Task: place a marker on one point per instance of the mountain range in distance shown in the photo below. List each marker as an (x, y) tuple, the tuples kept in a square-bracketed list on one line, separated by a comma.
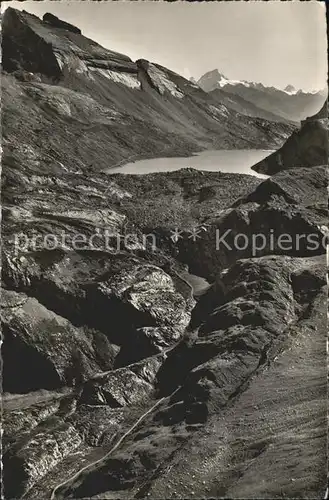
[(255, 99)]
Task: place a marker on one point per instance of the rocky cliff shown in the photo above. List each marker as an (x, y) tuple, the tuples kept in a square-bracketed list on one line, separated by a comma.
[(118, 382), (306, 147)]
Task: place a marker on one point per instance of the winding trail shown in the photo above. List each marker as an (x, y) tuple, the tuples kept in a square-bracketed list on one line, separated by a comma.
[(115, 447), (120, 441), (127, 433)]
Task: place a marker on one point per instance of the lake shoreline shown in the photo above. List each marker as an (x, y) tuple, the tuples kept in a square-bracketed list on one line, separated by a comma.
[(238, 161)]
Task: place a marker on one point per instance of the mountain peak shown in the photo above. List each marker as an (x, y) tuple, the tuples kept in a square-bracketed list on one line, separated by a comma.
[(213, 79), (214, 74), (290, 89)]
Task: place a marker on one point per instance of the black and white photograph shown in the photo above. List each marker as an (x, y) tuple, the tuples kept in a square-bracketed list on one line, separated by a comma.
[(164, 238)]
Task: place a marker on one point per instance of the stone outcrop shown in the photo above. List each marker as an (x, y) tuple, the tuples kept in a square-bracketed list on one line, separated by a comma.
[(286, 214), (128, 347), (58, 23), (117, 295), (307, 147), (43, 350)]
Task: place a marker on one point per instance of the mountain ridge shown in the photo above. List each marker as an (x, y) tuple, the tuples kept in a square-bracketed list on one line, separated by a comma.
[(288, 104), (209, 80)]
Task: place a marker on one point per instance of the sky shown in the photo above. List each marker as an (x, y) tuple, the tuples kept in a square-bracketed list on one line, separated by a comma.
[(274, 43)]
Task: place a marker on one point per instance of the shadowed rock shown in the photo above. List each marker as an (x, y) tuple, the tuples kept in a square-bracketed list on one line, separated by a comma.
[(307, 147)]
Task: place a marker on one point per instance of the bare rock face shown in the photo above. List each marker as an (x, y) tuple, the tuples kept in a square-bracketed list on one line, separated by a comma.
[(134, 286), (254, 312), (43, 350), (38, 455), (55, 39), (124, 386), (307, 147), (267, 421)]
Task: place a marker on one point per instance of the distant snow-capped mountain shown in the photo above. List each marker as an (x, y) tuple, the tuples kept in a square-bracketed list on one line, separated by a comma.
[(214, 79), (255, 99), (290, 89)]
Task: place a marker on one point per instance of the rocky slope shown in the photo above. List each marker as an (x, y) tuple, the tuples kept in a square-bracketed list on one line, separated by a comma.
[(247, 392), (117, 382), (255, 99), (73, 91), (244, 106), (306, 147)]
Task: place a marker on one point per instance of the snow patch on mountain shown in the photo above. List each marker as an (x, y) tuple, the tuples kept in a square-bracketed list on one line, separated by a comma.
[(290, 89), (127, 79), (226, 81), (215, 80)]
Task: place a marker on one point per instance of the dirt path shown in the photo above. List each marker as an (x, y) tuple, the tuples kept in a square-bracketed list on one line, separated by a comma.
[(115, 447)]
